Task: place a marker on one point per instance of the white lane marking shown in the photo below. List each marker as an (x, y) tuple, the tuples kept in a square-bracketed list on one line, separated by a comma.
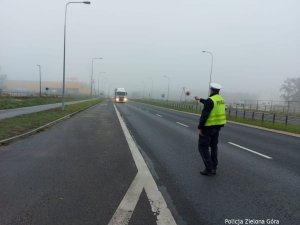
[(249, 150), (182, 124), (144, 179), (127, 205), (159, 115)]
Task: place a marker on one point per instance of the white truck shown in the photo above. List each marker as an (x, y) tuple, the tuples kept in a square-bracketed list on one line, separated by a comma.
[(120, 95)]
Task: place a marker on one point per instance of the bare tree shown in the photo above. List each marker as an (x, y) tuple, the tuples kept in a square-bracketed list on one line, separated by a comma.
[(291, 89)]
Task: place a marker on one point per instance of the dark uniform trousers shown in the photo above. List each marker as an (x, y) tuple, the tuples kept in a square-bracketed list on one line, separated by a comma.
[(209, 139)]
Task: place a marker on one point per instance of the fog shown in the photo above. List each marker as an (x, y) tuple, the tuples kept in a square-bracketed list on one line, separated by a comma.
[(255, 44)]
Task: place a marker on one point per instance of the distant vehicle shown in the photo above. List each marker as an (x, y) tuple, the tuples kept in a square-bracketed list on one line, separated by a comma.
[(120, 95)]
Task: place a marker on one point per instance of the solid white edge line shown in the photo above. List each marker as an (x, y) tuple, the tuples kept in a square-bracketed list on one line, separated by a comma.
[(156, 200), (182, 124), (158, 115), (128, 203), (249, 150)]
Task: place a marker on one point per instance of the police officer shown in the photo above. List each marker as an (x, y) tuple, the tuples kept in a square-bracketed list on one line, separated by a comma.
[(213, 117)]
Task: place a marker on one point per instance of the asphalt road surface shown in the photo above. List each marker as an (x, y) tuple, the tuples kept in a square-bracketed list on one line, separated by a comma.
[(83, 171), (257, 177), (74, 173)]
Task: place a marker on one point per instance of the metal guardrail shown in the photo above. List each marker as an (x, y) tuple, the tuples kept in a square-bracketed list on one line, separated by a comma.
[(285, 119), (292, 107)]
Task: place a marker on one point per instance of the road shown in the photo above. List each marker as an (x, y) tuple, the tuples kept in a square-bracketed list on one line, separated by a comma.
[(85, 171), (8, 113), (262, 184), (76, 172)]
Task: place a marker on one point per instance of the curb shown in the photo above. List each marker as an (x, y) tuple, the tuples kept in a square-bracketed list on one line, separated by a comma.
[(237, 123), (8, 140)]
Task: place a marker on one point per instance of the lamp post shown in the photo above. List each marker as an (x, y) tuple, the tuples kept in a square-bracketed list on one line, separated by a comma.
[(102, 87), (165, 76), (108, 89), (151, 95), (144, 92), (64, 57), (93, 74), (99, 82), (40, 73), (211, 66), (182, 93)]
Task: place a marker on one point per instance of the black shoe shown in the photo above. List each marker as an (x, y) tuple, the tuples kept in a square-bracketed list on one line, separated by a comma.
[(206, 172), (214, 171)]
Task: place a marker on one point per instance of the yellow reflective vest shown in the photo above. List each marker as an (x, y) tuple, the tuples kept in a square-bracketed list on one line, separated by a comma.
[(218, 115)]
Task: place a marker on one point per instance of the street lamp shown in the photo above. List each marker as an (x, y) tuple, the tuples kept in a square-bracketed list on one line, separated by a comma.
[(151, 96), (93, 74), (182, 93), (165, 76), (64, 58), (211, 66), (108, 89), (102, 88), (98, 82), (40, 72), (144, 92)]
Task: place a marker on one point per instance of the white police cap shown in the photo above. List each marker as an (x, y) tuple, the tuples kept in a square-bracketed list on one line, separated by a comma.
[(215, 86)]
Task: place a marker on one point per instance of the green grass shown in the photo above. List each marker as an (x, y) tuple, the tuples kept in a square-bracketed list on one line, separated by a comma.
[(21, 124), (266, 124), (10, 103)]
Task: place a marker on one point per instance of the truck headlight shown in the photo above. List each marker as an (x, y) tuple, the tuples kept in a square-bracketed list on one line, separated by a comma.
[(117, 99)]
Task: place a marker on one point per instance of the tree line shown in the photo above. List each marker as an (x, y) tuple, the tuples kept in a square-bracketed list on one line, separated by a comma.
[(291, 89)]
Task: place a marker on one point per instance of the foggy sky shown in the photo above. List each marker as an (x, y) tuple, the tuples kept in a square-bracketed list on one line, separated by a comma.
[(256, 43)]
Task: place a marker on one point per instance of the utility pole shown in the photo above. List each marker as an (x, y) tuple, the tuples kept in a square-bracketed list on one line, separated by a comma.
[(40, 72)]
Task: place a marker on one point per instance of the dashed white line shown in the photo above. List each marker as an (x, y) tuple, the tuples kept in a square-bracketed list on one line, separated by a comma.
[(249, 150), (159, 115), (182, 124)]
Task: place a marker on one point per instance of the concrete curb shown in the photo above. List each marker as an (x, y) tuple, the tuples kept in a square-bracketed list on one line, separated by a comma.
[(11, 139), (237, 123)]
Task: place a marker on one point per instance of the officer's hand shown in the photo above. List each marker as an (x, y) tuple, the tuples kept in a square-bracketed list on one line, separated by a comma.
[(197, 98), (200, 132)]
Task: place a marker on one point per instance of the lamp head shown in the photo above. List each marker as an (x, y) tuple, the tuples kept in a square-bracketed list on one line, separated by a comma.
[(87, 2)]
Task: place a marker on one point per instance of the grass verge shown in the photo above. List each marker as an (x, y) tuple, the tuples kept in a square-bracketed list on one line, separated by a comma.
[(266, 124), (21, 124), (11, 103)]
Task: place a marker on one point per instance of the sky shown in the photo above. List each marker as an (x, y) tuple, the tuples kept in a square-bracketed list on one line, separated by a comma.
[(255, 44)]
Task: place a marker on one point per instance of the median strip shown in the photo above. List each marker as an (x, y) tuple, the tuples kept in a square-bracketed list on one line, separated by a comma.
[(249, 150), (20, 126)]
